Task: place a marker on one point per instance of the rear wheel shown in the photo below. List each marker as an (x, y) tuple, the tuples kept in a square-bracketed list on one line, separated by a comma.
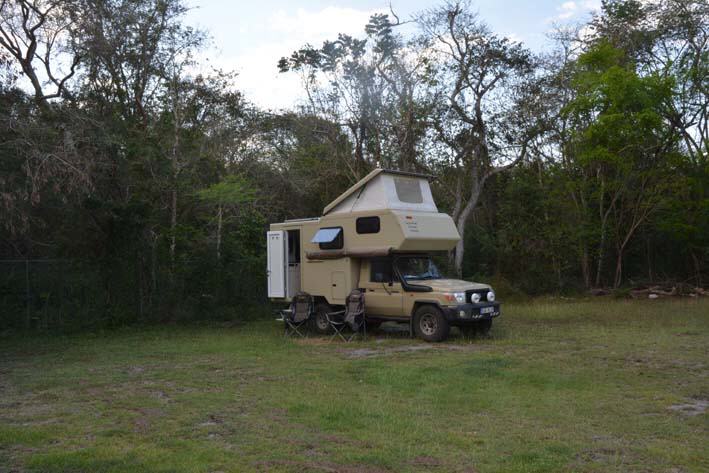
[(430, 325), (319, 323)]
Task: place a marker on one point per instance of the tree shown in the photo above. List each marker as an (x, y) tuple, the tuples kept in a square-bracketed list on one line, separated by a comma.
[(227, 195), (374, 88), (481, 123), (624, 144), (38, 34)]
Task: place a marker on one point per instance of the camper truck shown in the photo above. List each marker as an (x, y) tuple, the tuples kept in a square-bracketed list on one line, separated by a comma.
[(377, 237)]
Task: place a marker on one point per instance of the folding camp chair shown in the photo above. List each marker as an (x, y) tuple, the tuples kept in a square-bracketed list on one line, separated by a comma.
[(297, 315), (352, 317)]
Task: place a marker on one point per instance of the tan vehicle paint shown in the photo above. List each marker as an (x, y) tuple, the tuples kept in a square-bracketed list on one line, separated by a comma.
[(408, 224)]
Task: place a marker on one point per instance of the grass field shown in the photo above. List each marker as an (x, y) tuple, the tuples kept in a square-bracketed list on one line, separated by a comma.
[(589, 386)]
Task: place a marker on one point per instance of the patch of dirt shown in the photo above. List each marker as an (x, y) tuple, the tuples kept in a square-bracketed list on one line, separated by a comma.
[(693, 408), (162, 396), (373, 352), (141, 424), (596, 455), (370, 352), (429, 462), (135, 369), (212, 421), (313, 341), (313, 466), (338, 440)]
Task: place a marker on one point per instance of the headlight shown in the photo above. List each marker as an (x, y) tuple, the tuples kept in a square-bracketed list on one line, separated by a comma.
[(458, 297), (490, 296), (475, 298)]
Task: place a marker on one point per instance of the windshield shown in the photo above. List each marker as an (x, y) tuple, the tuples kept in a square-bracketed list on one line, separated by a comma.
[(417, 268)]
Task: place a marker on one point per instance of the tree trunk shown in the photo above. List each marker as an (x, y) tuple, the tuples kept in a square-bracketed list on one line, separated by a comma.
[(460, 225), (618, 270), (219, 233), (139, 264), (458, 255), (697, 269), (175, 171), (599, 263), (359, 147), (585, 268), (153, 267), (601, 244), (648, 254), (173, 225)]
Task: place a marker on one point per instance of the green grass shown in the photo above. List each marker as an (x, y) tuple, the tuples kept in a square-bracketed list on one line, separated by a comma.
[(559, 386)]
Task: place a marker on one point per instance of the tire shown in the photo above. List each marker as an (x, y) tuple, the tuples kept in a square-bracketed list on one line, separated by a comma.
[(430, 325), (319, 323)]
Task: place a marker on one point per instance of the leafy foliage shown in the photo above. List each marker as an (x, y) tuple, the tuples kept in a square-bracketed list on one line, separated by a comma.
[(150, 186)]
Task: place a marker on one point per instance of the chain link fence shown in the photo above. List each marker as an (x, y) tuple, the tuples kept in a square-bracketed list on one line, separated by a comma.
[(43, 294)]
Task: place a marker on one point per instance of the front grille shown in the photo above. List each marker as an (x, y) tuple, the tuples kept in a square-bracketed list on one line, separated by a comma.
[(469, 294)]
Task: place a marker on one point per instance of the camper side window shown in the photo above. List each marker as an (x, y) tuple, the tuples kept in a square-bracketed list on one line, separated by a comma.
[(408, 190), (368, 225), (380, 270), (336, 243)]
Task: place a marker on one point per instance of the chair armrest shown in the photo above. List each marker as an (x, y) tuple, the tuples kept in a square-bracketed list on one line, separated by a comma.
[(337, 315)]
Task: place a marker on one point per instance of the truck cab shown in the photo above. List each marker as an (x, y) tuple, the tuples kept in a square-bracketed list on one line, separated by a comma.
[(410, 288)]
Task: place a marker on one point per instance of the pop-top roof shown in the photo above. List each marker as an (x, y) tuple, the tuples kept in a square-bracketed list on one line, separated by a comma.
[(386, 189)]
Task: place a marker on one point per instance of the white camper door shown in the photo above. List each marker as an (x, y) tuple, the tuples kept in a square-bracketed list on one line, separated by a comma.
[(276, 263)]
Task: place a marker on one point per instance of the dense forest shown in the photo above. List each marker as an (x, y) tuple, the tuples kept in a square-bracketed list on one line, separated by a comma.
[(136, 183)]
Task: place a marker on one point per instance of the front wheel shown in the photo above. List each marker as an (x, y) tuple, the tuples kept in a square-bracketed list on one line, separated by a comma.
[(430, 325)]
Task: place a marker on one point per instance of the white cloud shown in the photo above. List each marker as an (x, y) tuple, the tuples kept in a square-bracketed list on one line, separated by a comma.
[(593, 6), (321, 24), (514, 37), (285, 32), (572, 9)]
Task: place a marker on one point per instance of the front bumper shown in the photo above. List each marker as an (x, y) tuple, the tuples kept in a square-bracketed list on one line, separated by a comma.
[(471, 313)]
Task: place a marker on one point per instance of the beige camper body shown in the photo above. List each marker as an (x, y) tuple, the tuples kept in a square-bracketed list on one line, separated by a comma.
[(403, 227), (333, 273), (387, 213)]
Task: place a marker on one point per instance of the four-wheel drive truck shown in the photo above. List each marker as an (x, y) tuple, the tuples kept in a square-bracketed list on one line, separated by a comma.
[(378, 237)]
